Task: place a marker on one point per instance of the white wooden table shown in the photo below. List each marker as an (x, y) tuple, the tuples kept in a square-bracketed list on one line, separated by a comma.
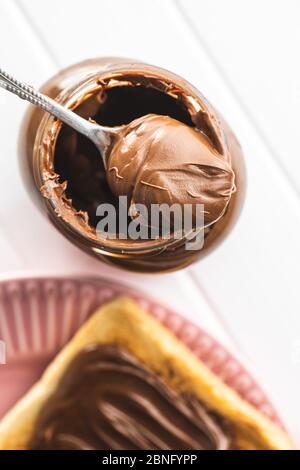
[(244, 56)]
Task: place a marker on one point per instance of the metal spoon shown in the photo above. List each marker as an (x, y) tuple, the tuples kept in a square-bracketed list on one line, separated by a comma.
[(101, 136)]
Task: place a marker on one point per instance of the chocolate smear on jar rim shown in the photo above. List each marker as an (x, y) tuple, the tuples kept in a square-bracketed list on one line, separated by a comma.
[(74, 179)]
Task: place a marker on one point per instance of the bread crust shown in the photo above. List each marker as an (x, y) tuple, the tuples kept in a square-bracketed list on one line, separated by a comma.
[(122, 322)]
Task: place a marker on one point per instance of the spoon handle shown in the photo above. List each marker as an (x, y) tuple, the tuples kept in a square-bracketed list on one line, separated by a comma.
[(28, 93)]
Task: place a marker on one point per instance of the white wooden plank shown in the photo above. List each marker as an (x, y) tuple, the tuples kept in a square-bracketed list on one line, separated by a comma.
[(8, 257), (35, 247), (256, 46), (14, 200), (22, 229), (252, 278)]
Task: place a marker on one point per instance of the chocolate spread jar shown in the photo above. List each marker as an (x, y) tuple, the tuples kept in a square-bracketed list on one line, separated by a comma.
[(64, 173)]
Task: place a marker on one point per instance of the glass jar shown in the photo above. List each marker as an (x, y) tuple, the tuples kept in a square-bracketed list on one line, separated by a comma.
[(43, 138)]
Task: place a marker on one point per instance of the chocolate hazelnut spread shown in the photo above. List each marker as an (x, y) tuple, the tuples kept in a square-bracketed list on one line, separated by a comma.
[(108, 400), (66, 168), (77, 161), (159, 160)]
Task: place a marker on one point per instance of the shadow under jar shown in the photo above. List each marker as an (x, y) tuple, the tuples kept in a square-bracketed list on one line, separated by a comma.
[(64, 173)]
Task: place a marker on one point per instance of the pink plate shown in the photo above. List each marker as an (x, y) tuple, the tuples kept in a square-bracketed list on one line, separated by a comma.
[(39, 316)]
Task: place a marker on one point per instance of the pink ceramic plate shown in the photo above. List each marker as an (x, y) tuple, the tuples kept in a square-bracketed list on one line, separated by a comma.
[(38, 317)]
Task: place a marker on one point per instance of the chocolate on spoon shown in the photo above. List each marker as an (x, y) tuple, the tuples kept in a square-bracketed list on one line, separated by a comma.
[(159, 160), (152, 160)]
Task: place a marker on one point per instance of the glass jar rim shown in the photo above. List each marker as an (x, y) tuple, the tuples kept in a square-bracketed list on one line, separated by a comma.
[(75, 95)]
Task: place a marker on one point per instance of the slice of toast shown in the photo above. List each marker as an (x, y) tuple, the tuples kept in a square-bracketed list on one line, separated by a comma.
[(124, 324)]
